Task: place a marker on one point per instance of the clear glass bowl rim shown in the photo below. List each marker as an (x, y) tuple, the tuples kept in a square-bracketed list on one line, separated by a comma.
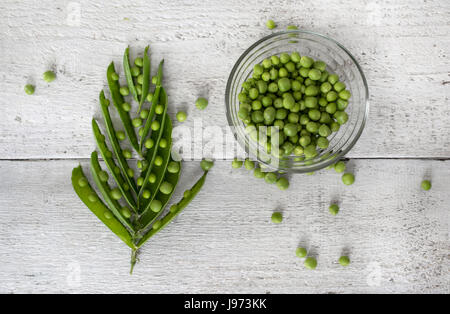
[(363, 77)]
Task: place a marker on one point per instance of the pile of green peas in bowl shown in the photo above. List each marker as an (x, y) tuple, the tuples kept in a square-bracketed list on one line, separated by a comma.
[(298, 101)]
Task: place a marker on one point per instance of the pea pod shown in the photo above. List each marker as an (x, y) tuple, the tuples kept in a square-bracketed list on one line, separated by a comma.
[(114, 142), (128, 76), (86, 193), (146, 78), (105, 189), (177, 209), (109, 161), (155, 102), (148, 217), (164, 129), (118, 101)]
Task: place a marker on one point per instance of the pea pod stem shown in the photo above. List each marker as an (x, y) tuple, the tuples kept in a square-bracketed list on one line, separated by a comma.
[(99, 209), (99, 137), (146, 78), (114, 142), (118, 101), (128, 76), (155, 102), (179, 207)]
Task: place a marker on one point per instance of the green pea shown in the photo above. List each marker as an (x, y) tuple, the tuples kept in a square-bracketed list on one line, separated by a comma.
[(258, 173), (155, 125), (284, 84), (149, 143), (314, 74), (312, 127), (341, 104), (311, 102), (306, 62), (83, 182), (149, 97), (270, 177), (124, 91), (277, 217), (163, 143), (257, 116), (331, 96), (348, 178), (344, 261), (116, 194), (206, 165), (258, 69), (310, 151), (301, 252), (341, 117), (157, 225), (135, 71), (146, 194), (283, 73), (201, 103), (108, 215), (290, 66), (282, 183), (339, 86), (103, 176), (144, 114), (120, 135), (285, 58), (322, 142), (333, 79), (295, 57), (152, 178), (154, 80), (29, 89), (138, 62), (173, 167), (290, 129), (314, 114), (275, 60), (426, 185), (345, 94), (339, 167), (334, 209), (155, 206), (320, 65), (126, 106), (125, 212), (49, 76), (291, 27), (130, 172), (298, 151), (166, 187), (140, 181), (137, 122), (311, 263), (236, 164), (305, 141), (267, 63), (158, 161), (249, 165), (335, 126), (115, 76)]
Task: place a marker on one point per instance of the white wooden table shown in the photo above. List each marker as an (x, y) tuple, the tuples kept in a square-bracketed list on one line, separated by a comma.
[(396, 234)]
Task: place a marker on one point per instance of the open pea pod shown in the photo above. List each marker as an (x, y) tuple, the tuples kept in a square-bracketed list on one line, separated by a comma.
[(105, 189), (174, 211), (164, 131), (149, 216), (115, 143), (109, 161), (158, 170), (155, 101), (90, 198), (118, 101), (146, 78), (128, 76)]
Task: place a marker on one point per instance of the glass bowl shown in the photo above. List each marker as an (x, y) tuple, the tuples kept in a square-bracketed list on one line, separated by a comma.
[(338, 60)]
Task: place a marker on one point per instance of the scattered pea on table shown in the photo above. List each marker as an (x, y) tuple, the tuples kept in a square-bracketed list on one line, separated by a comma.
[(334, 209), (301, 252), (344, 261), (181, 116), (426, 185), (277, 217), (49, 76), (29, 89), (271, 24), (348, 178), (311, 263), (201, 103)]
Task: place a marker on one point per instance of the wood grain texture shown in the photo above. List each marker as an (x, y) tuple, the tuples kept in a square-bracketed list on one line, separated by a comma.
[(403, 47), (396, 234)]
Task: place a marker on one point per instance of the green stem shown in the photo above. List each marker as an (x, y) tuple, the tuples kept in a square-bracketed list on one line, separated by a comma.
[(133, 261)]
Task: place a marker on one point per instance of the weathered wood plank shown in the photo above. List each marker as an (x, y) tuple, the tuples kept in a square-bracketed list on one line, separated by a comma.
[(403, 47), (397, 235)]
